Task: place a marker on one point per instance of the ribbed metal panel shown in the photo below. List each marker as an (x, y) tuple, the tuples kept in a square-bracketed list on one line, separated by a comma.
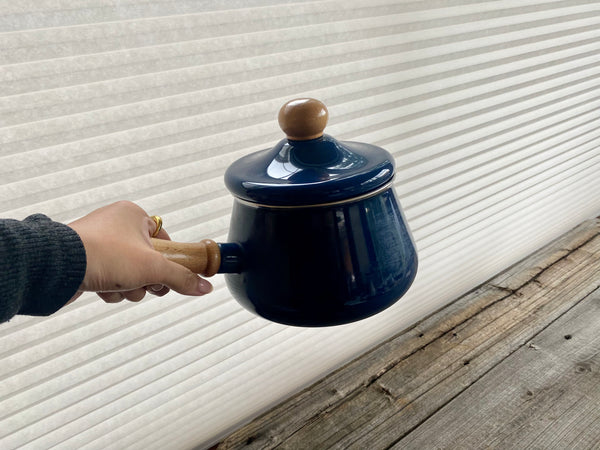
[(491, 109)]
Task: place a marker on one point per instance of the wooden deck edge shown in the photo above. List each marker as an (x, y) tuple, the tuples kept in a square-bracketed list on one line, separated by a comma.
[(517, 289)]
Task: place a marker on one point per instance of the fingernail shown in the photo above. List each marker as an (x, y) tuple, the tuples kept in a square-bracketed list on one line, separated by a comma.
[(156, 287), (204, 287)]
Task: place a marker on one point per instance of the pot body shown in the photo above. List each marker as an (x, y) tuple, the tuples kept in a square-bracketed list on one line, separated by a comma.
[(322, 265)]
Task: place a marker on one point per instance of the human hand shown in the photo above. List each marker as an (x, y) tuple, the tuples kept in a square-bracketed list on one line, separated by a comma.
[(121, 262)]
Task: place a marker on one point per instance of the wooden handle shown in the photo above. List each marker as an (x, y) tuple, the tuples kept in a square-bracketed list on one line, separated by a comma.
[(302, 119), (200, 257)]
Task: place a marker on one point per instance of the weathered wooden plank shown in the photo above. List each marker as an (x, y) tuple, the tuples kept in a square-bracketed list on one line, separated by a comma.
[(546, 395), (418, 386), (530, 267), (361, 385)]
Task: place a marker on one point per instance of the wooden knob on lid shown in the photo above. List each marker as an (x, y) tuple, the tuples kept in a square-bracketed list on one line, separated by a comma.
[(302, 119)]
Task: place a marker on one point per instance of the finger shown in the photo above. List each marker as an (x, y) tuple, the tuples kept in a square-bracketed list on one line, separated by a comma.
[(111, 297), (183, 280), (135, 295), (162, 234), (157, 289)]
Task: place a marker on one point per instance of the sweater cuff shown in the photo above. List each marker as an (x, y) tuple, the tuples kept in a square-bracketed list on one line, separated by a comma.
[(57, 265)]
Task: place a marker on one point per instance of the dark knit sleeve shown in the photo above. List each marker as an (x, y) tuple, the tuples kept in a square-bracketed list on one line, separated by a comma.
[(42, 264)]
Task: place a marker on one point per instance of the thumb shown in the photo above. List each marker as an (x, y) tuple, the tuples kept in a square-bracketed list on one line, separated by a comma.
[(183, 280)]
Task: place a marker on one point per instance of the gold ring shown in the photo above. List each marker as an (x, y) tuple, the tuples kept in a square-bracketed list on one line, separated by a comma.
[(158, 221)]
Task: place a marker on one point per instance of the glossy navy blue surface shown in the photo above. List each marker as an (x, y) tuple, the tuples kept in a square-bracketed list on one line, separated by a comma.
[(307, 172), (321, 266)]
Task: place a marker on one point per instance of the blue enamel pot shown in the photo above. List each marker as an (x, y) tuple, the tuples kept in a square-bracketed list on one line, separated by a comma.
[(317, 235)]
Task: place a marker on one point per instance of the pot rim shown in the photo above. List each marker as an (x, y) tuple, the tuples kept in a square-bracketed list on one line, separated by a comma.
[(374, 192)]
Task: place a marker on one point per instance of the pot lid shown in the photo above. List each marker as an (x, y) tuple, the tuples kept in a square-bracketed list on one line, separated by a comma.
[(308, 167)]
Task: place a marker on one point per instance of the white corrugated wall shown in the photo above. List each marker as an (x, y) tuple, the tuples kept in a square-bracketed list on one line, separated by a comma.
[(491, 109)]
